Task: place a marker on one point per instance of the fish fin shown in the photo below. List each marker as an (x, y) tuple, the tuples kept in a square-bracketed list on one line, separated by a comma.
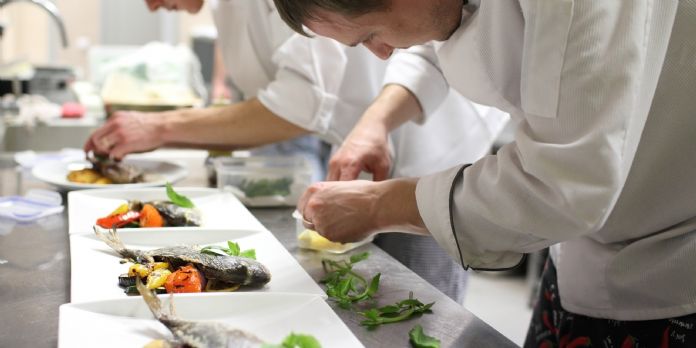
[(151, 299)]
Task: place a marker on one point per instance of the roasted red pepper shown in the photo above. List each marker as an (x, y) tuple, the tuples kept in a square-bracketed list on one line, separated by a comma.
[(118, 220), (579, 342)]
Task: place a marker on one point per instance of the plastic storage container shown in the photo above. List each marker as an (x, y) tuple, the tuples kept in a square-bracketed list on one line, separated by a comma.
[(264, 181), (309, 239)]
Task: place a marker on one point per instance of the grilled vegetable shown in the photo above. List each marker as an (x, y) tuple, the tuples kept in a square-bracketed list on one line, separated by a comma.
[(157, 278), (125, 280), (186, 279), (137, 269), (119, 220), (150, 217)]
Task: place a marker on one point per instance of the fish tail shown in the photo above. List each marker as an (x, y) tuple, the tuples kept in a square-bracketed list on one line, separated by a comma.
[(114, 242), (151, 299)]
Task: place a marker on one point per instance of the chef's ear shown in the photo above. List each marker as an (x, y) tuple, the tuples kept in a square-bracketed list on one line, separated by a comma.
[(154, 5)]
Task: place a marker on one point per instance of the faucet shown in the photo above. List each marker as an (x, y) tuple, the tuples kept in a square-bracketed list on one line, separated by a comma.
[(52, 10)]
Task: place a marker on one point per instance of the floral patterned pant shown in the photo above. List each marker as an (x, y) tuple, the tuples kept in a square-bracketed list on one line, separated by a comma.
[(553, 327)]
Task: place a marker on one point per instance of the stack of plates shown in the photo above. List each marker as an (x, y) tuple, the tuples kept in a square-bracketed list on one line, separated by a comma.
[(100, 314)]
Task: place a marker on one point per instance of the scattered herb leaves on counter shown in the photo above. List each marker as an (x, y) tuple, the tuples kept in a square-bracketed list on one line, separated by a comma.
[(232, 249), (178, 199), (345, 286), (419, 339), (296, 341), (266, 187), (399, 311)]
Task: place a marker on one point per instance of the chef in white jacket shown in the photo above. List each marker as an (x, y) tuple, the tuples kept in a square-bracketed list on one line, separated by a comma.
[(601, 168), (321, 87)]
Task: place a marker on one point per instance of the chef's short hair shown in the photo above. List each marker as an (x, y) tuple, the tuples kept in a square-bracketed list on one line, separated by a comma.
[(296, 12)]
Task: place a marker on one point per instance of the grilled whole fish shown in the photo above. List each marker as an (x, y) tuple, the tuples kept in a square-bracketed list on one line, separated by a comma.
[(224, 268), (117, 172), (196, 334)]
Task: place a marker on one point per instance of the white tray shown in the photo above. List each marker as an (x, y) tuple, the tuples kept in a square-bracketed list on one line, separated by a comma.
[(128, 322), (218, 209), (157, 173), (95, 267)]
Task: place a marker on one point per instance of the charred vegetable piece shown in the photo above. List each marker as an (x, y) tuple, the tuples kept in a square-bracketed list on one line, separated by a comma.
[(157, 278), (175, 215), (137, 269), (124, 280), (186, 279), (119, 220), (150, 217), (122, 209)]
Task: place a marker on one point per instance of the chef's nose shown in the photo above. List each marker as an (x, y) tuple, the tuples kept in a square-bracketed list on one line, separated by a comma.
[(381, 50)]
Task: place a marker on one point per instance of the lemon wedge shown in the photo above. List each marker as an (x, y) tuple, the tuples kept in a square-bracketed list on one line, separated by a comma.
[(310, 239)]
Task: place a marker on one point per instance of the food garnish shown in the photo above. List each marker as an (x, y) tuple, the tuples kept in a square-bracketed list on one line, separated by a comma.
[(400, 311), (232, 249), (419, 339), (345, 286), (178, 199)]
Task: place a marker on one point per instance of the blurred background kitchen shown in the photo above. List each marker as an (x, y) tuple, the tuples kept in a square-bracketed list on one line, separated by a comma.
[(62, 54)]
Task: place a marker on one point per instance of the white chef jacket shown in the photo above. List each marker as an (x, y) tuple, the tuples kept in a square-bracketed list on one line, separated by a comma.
[(325, 87), (603, 163)]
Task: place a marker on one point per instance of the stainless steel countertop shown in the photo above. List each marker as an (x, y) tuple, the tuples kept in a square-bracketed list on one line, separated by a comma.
[(35, 279)]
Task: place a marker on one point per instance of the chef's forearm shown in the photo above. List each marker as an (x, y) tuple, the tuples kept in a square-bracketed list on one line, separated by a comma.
[(242, 125), (398, 209), (394, 106)]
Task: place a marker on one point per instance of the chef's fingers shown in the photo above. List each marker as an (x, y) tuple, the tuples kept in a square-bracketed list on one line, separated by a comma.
[(350, 172), (302, 202), (380, 171)]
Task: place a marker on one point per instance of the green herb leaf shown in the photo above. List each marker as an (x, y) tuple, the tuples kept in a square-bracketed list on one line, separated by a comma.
[(419, 339), (359, 257), (232, 249), (249, 254), (402, 310), (178, 199), (296, 341)]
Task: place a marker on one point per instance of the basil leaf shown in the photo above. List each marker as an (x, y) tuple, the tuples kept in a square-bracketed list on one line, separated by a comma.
[(296, 341), (249, 254), (178, 199), (233, 248), (359, 257), (214, 250), (419, 339)]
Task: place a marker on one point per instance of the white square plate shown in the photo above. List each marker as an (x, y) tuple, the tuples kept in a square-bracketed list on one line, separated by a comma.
[(218, 209), (95, 267), (128, 322)]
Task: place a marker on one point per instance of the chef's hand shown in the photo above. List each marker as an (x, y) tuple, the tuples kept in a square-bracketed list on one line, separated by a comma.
[(367, 146), (350, 211), (127, 132), (365, 149)]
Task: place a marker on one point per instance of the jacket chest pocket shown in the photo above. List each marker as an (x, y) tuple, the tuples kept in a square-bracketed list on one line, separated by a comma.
[(547, 24)]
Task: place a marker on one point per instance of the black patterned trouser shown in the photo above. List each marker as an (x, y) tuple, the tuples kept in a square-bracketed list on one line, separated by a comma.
[(553, 327)]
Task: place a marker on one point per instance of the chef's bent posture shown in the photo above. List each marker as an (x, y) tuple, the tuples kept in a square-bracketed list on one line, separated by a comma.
[(322, 87), (601, 169)]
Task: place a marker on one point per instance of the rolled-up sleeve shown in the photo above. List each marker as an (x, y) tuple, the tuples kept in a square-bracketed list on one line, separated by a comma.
[(417, 70), (589, 73), (300, 92)]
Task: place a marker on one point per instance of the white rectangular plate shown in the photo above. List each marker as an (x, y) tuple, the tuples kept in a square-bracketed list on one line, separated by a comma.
[(218, 209), (271, 317), (95, 267)]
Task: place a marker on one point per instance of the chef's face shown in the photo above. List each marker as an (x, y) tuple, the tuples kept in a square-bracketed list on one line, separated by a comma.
[(405, 23), (190, 6)]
